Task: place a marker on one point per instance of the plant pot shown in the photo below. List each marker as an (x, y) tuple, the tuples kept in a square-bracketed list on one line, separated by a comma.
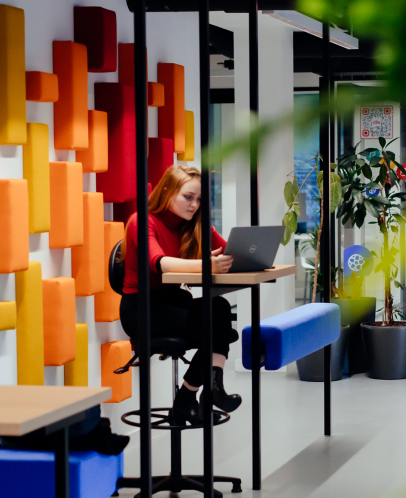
[(311, 367), (354, 312), (385, 348)]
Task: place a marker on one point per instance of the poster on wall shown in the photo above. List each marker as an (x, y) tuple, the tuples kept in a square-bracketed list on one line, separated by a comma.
[(377, 121)]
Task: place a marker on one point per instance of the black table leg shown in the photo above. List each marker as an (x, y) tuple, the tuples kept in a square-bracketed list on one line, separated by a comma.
[(256, 390), (61, 438)]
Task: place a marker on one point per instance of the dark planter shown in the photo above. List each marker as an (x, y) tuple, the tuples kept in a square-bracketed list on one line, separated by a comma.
[(354, 312), (311, 367), (385, 348)]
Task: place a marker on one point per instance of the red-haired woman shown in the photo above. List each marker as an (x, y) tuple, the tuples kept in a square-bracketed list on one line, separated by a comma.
[(174, 225)]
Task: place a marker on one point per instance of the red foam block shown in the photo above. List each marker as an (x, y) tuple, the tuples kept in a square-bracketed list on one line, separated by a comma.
[(96, 28), (160, 158), (118, 184)]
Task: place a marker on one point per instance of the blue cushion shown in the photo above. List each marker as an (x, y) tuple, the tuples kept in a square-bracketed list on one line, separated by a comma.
[(294, 334), (32, 473)]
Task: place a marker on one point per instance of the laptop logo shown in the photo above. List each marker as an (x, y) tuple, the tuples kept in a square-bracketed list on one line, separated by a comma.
[(253, 248)]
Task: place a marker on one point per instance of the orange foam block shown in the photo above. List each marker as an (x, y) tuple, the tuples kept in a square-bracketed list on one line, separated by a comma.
[(171, 117), (14, 238), (41, 87), (66, 205), (36, 172), (156, 94), (88, 259), (114, 355), (107, 303), (94, 159), (77, 371), (70, 111), (30, 334), (59, 311), (13, 130)]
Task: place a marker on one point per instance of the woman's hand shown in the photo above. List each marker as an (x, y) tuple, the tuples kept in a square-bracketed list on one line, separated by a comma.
[(219, 262)]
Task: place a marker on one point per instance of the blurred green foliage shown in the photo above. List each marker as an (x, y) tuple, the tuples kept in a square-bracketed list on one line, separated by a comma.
[(382, 22)]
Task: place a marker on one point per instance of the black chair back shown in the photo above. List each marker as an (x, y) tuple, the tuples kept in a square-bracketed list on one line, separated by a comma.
[(116, 269)]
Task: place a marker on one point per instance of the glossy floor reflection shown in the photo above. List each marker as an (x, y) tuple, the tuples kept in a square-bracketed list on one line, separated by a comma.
[(364, 458)]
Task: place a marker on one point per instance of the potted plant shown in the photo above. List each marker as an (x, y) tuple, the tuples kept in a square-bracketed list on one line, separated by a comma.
[(311, 367), (385, 341)]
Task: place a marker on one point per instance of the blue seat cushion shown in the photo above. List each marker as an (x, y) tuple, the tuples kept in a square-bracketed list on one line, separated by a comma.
[(32, 473), (294, 334)]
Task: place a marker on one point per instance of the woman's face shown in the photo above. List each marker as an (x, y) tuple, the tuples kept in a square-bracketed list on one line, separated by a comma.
[(187, 201)]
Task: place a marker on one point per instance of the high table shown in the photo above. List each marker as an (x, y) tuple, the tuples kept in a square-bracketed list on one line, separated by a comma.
[(230, 282), (24, 409)]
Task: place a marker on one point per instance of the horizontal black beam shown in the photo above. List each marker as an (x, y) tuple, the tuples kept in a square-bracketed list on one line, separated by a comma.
[(339, 65), (222, 40), (236, 6), (222, 96)]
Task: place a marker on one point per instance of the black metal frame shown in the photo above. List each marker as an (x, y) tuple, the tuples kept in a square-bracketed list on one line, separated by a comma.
[(138, 7)]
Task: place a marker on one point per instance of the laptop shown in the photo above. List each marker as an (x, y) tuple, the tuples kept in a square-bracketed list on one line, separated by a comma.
[(253, 248)]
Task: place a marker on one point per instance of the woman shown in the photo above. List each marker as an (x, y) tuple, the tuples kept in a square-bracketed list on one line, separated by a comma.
[(174, 227)]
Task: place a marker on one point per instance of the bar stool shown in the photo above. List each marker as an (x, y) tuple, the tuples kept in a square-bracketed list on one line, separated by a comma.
[(175, 348)]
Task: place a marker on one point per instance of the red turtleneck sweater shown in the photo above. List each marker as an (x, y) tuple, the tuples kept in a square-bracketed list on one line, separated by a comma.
[(164, 234)]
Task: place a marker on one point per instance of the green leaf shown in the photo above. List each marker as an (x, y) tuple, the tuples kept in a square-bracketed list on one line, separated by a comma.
[(399, 218), (372, 185), (360, 162), (296, 208), (378, 267), (319, 180), (372, 210), (374, 254), (359, 198), (379, 199), (288, 193), (374, 162), (335, 196), (360, 216), (287, 234), (346, 218), (366, 170), (394, 229), (392, 141), (393, 177), (382, 142), (290, 221)]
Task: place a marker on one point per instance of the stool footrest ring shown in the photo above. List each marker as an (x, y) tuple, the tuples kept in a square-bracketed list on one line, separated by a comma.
[(168, 419)]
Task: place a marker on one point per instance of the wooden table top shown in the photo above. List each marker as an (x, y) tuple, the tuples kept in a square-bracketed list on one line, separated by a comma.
[(250, 278), (26, 408)]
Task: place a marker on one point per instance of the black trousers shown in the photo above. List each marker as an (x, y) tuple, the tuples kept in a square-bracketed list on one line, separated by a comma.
[(174, 313)]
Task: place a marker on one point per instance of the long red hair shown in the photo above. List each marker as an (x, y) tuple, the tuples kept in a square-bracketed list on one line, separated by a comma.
[(160, 199)]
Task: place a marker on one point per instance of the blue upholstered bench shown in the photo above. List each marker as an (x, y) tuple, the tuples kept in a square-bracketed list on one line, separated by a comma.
[(294, 334), (32, 473)]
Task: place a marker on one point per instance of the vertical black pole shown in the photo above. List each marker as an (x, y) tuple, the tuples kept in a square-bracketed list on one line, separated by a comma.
[(326, 234), (61, 442), (140, 46), (206, 249), (332, 160), (255, 295)]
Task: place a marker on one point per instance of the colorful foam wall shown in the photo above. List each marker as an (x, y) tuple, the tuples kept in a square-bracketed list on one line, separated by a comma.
[(50, 196)]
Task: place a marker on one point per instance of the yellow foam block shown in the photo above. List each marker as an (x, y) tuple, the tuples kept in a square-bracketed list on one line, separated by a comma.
[(14, 239), (114, 355), (30, 333), (13, 129), (8, 315), (76, 372), (66, 205), (88, 259), (189, 154), (59, 321), (107, 303), (36, 172)]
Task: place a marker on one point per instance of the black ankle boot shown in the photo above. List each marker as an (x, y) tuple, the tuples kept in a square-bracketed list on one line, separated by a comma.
[(186, 407), (227, 403)]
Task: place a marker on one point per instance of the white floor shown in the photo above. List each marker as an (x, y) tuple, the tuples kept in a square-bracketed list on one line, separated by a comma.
[(365, 456)]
